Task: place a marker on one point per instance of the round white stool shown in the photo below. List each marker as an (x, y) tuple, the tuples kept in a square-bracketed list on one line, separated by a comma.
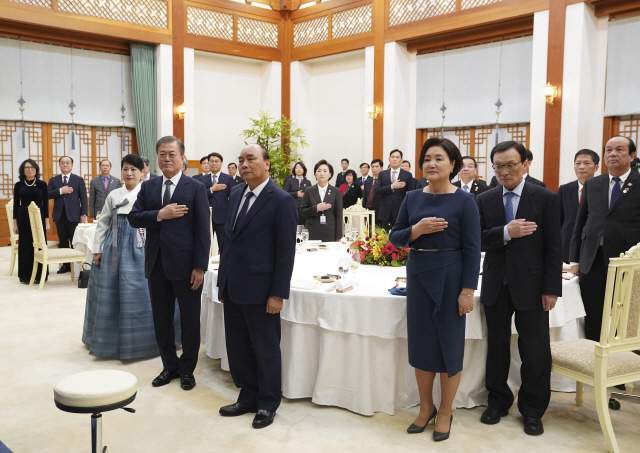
[(93, 392)]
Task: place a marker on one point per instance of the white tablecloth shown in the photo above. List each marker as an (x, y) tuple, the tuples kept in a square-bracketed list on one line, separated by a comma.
[(83, 242), (350, 350)]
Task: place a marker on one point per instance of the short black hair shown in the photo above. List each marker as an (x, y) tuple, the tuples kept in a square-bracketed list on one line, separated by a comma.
[(303, 166), (145, 160), (353, 175), (70, 158), (529, 155), (167, 139), (323, 162), (378, 161), (407, 162), (587, 152), (232, 163), (475, 164), (214, 154), (105, 160), (449, 147), (396, 151), (133, 159), (345, 160), (204, 158), (632, 145), (505, 146), (22, 176), (364, 163)]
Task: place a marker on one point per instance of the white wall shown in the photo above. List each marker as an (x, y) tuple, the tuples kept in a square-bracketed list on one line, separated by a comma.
[(623, 64), (164, 90), (230, 90), (538, 81), (328, 99)]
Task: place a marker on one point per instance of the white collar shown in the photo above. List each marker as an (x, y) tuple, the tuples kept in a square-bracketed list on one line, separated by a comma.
[(257, 191), (517, 191), (133, 193), (174, 180), (217, 175), (68, 176), (623, 178)]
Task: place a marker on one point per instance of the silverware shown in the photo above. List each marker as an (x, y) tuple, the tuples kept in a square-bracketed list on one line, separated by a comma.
[(330, 289)]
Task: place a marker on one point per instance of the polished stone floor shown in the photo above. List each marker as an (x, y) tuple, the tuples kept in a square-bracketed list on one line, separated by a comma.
[(40, 344)]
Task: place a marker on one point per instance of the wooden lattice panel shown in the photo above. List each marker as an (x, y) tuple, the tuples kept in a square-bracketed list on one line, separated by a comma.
[(467, 4), (351, 22), (209, 23), (12, 154), (152, 13), (43, 3), (311, 32), (257, 32), (629, 127), (403, 11)]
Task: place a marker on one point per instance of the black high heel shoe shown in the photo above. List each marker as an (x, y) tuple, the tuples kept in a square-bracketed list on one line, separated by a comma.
[(439, 437), (415, 429)]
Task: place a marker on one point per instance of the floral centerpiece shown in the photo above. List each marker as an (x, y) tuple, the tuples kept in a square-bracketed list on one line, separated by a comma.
[(376, 249)]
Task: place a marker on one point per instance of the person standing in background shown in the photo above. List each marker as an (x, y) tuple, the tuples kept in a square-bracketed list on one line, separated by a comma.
[(369, 199), (393, 185), (147, 174), (364, 171), (232, 168), (344, 163), (204, 168), (100, 187), (468, 177), (219, 187), (297, 185)]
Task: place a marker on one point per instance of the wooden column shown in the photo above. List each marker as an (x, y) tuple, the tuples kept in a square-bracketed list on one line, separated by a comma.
[(553, 115), (378, 23), (286, 43), (178, 31)]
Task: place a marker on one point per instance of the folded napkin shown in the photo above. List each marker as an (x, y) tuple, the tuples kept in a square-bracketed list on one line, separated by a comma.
[(344, 284), (304, 283), (398, 291)]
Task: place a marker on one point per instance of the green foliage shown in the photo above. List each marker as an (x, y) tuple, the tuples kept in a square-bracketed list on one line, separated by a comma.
[(281, 138)]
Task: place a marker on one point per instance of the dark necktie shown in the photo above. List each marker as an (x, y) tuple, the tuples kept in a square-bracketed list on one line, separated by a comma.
[(508, 207), (243, 211), (615, 191), (166, 199), (64, 182), (214, 178), (371, 194)]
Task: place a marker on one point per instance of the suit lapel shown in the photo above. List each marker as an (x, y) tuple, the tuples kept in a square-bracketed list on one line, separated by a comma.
[(236, 207), (527, 201), (574, 194), (628, 186), (497, 206), (315, 192), (180, 189), (257, 205)]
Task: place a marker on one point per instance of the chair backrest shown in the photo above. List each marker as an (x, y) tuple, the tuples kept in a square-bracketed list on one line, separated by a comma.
[(9, 208), (621, 316), (37, 230)]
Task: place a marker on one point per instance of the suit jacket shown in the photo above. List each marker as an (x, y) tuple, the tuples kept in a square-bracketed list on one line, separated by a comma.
[(391, 200), (75, 203), (332, 230), (292, 186), (340, 179), (422, 183), (98, 193), (238, 180), (359, 180), (198, 176), (219, 201), (532, 264), (477, 186), (365, 196), (531, 179), (183, 242), (568, 202), (618, 227), (257, 259)]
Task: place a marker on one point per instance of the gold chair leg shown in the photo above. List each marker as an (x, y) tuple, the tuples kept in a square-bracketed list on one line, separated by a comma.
[(43, 275), (602, 406), (629, 387), (34, 271), (73, 270), (13, 261), (579, 393)]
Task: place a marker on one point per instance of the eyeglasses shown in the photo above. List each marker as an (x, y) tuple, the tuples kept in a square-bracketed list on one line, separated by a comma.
[(29, 168), (171, 155), (509, 167)]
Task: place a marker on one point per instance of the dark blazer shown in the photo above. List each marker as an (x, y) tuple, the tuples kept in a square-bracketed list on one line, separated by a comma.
[(422, 183), (183, 242), (98, 193), (219, 201), (359, 180), (332, 230), (365, 196), (257, 260), (533, 264), (340, 178), (237, 179), (477, 186), (351, 196), (292, 186), (619, 227), (198, 176), (391, 200), (568, 202), (531, 179), (75, 203)]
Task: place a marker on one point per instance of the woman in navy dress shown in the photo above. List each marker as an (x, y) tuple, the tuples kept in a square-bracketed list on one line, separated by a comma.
[(441, 225)]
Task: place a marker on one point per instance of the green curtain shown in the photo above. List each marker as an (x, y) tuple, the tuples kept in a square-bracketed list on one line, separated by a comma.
[(143, 90)]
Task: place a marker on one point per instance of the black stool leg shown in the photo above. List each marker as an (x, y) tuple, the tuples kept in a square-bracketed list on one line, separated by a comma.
[(96, 434)]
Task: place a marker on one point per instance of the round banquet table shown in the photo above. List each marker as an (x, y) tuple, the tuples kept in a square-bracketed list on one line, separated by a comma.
[(350, 350), (83, 242)]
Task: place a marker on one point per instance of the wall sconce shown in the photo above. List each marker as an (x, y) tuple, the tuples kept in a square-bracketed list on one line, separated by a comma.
[(181, 110), (373, 111), (550, 93)]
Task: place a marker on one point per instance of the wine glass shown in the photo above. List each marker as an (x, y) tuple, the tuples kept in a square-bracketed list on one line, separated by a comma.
[(304, 235), (354, 234), (355, 264), (343, 265)]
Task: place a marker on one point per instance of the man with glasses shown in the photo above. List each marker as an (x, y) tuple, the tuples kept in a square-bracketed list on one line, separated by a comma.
[(522, 274), (468, 177), (529, 178)]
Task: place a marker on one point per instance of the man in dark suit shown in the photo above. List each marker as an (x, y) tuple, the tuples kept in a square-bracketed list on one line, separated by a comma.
[(468, 181), (204, 168), (422, 183), (175, 212), (585, 165), (522, 273), (364, 171), (344, 163), (393, 185), (254, 277), (531, 179), (147, 174), (369, 199), (232, 168), (406, 165), (69, 206), (100, 187), (219, 187), (607, 224)]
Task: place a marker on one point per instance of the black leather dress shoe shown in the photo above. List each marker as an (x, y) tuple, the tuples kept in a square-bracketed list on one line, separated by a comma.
[(235, 409), (64, 269), (187, 381), (263, 419), (533, 426), (165, 377), (492, 416)]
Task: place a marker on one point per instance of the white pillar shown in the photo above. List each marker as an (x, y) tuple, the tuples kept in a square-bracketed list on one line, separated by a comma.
[(368, 99), (538, 81), (164, 90), (271, 89), (583, 84), (189, 100)]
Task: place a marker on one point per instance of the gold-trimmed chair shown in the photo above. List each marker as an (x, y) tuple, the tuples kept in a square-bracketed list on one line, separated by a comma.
[(13, 237), (42, 253), (611, 361)]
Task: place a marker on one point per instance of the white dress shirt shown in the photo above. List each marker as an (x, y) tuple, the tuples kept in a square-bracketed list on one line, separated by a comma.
[(256, 193), (217, 175), (322, 191), (69, 177), (623, 179), (580, 186), (172, 187), (515, 202)]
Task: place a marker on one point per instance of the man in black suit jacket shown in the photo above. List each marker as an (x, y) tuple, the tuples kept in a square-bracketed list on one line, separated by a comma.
[(69, 206), (344, 163), (254, 278), (522, 273), (530, 179), (204, 168), (175, 212), (364, 172), (369, 199), (232, 168), (393, 185), (219, 187), (607, 224), (585, 165), (147, 174), (422, 183), (468, 181)]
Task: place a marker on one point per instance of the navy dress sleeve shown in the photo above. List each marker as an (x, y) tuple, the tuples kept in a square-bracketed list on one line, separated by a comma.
[(470, 223), (400, 235)]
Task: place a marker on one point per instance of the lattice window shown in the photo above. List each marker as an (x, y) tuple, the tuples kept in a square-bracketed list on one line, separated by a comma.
[(403, 11), (311, 32), (12, 154), (142, 12), (351, 22), (257, 32), (209, 23), (629, 127), (43, 3), (467, 4)]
